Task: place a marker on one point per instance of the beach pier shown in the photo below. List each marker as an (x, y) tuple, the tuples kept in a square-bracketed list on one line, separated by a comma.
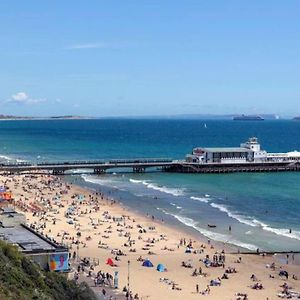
[(139, 165), (144, 165)]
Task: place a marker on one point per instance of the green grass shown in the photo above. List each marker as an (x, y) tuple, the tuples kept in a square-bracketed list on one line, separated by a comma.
[(22, 279)]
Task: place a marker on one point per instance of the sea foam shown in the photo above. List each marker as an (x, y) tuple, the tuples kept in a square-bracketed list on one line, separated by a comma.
[(250, 221), (234, 215), (201, 199), (209, 234), (91, 179), (163, 189), (11, 159)]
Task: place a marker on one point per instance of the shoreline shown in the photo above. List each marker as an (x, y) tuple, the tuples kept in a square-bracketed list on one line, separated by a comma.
[(180, 225), (106, 225), (183, 229), (187, 230)]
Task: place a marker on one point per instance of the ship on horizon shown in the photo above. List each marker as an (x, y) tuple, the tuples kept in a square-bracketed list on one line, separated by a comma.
[(248, 118)]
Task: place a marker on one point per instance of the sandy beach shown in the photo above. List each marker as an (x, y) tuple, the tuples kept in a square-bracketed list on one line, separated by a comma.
[(99, 228)]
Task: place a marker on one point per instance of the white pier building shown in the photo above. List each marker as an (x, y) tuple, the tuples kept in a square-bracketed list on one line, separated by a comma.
[(248, 152)]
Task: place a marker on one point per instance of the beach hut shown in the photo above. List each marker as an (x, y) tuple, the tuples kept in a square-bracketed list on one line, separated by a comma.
[(160, 268), (110, 262), (147, 263)]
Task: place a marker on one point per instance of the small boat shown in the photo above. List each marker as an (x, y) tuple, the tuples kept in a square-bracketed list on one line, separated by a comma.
[(211, 225)]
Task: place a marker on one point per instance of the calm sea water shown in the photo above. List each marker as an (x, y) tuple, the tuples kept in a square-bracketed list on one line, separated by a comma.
[(260, 208)]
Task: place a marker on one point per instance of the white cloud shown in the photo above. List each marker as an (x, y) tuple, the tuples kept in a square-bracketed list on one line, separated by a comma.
[(99, 45), (23, 98), (90, 46)]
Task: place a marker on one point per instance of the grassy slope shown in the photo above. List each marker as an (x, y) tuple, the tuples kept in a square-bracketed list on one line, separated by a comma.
[(22, 279)]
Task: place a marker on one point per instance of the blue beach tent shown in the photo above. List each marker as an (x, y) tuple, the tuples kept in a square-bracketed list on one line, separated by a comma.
[(160, 268), (147, 263)]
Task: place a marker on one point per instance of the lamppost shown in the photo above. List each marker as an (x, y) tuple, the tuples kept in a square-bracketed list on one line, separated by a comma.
[(128, 280), (78, 242), (78, 253)]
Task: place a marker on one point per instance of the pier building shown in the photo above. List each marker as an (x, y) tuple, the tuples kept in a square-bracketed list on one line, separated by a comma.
[(249, 151)]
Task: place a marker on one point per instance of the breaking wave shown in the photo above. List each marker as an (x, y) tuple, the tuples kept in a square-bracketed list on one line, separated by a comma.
[(11, 159), (91, 179), (79, 171), (209, 234), (256, 223), (201, 199), (163, 189), (175, 205), (136, 181)]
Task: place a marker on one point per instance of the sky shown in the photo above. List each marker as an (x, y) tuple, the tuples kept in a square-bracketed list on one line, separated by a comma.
[(155, 57)]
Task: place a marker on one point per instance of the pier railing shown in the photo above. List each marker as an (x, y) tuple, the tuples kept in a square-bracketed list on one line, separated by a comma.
[(97, 166)]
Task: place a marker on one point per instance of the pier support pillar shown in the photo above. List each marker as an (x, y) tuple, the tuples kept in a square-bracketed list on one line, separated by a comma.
[(99, 171), (58, 172), (138, 170)]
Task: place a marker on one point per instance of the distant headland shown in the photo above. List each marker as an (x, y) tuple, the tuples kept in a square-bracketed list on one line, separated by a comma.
[(64, 117), (170, 117)]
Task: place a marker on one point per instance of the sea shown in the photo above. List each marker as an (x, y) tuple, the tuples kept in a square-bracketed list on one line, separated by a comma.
[(262, 209)]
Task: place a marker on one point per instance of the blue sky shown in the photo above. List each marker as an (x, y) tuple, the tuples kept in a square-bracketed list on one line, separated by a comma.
[(118, 58)]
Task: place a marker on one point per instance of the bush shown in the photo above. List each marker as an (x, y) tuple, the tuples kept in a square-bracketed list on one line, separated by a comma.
[(22, 279)]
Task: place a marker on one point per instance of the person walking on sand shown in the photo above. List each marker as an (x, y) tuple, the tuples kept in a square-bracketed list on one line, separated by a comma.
[(197, 288)]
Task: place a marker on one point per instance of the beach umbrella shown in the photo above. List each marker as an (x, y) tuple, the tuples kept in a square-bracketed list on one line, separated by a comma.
[(7, 196), (188, 250), (80, 197), (284, 273), (160, 268), (147, 263), (110, 262)]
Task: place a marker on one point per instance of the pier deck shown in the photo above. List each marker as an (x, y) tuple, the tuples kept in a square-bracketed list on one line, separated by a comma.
[(98, 167), (185, 167), (141, 165)]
